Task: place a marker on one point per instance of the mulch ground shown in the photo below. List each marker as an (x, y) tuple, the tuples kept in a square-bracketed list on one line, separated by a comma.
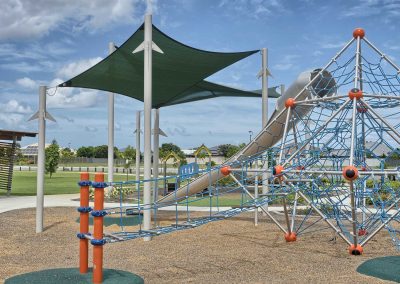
[(228, 251)]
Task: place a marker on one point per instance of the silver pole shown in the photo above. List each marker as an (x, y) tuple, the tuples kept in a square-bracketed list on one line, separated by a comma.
[(325, 218), (256, 193), (147, 121), (110, 160), (156, 152), (353, 213), (41, 160), (284, 135), (262, 208), (382, 55), (137, 176), (264, 66), (353, 131)]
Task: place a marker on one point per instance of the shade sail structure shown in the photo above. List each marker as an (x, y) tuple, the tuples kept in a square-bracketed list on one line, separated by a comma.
[(207, 90), (177, 73)]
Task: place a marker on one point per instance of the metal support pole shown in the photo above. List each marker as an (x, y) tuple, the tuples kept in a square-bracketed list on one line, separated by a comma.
[(156, 155), (256, 193), (147, 121), (137, 176), (262, 208), (325, 218), (110, 159), (353, 214), (264, 66), (41, 160)]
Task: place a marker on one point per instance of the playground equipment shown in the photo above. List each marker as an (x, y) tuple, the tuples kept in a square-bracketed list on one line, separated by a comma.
[(7, 155), (324, 142), (171, 155)]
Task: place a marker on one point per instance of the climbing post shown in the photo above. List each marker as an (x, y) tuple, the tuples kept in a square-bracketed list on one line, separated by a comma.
[(84, 210), (98, 213)]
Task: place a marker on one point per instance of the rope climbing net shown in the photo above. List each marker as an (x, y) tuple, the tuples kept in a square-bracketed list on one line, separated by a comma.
[(330, 162)]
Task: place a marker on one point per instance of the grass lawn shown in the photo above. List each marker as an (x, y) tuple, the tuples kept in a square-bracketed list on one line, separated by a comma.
[(24, 183)]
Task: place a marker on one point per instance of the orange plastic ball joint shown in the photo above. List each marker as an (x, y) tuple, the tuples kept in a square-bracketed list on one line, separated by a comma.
[(355, 250), (358, 32), (277, 170), (350, 173), (290, 102), (226, 170), (355, 93), (292, 237)]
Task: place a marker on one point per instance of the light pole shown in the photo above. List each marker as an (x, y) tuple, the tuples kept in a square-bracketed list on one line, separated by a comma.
[(250, 134)]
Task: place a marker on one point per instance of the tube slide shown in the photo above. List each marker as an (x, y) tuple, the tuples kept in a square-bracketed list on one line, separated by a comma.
[(325, 85)]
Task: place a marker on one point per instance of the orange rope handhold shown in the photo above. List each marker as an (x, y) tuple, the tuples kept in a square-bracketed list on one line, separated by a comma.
[(226, 170), (355, 94), (358, 32), (356, 250), (292, 237), (350, 173)]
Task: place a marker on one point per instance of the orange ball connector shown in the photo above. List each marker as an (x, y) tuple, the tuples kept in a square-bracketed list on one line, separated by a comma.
[(350, 173), (358, 32), (355, 94), (84, 224), (356, 250), (290, 102), (277, 170), (290, 237), (226, 170)]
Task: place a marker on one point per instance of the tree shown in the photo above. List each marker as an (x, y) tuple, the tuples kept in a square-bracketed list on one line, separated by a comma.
[(66, 153), (52, 154), (129, 153), (167, 148), (87, 152), (228, 150)]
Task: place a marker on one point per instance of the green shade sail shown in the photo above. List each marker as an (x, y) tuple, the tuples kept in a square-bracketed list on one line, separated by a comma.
[(178, 74), (207, 90)]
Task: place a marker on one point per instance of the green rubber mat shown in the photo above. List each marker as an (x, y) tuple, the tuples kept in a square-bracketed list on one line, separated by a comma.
[(386, 268), (118, 220), (72, 275)]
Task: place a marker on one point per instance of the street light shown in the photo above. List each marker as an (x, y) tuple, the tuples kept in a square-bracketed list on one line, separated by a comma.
[(250, 133)]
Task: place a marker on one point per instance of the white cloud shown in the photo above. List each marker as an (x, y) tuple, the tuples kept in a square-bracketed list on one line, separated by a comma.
[(27, 83), (253, 8), (12, 120), (286, 63), (74, 68), (282, 67), (91, 129), (26, 19), (64, 97), (333, 45), (14, 106)]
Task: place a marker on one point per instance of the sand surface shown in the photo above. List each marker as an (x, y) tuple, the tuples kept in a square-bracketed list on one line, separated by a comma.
[(228, 251)]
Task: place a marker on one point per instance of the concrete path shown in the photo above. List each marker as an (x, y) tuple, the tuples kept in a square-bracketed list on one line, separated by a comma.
[(72, 200)]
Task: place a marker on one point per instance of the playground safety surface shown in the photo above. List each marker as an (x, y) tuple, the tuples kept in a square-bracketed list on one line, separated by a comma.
[(228, 251)]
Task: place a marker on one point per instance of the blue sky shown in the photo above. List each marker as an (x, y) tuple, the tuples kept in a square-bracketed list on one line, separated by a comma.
[(49, 41)]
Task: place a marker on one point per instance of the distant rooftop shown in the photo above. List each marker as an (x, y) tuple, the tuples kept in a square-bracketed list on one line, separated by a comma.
[(11, 134)]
